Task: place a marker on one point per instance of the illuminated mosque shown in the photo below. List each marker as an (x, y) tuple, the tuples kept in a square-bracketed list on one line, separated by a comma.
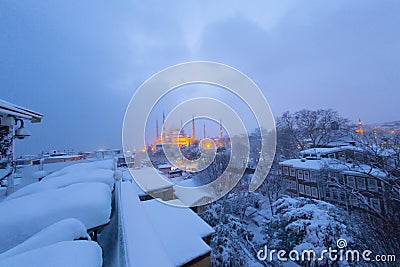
[(177, 137)]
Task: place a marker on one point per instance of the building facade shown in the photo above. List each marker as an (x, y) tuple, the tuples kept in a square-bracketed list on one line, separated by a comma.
[(327, 174)]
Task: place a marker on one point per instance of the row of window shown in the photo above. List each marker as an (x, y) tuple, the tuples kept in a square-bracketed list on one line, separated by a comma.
[(310, 191), (337, 196), (299, 174), (355, 182), (374, 202), (361, 183)]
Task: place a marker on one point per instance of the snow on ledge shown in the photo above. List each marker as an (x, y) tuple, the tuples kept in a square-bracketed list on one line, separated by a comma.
[(173, 233), (66, 253), (23, 217), (76, 176), (64, 230)]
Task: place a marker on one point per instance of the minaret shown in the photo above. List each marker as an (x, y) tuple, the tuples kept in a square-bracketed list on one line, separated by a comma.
[(193, 129), (221, 133), (163, 128), (204, 129), (157, 134), (360, 129)]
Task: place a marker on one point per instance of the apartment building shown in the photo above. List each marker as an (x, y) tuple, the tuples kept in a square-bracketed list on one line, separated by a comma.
[(328, 174)]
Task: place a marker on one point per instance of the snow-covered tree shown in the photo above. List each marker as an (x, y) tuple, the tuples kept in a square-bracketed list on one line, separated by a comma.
[(191, 152), (273, 186), (214, 170), (230, 243), (304, 224)]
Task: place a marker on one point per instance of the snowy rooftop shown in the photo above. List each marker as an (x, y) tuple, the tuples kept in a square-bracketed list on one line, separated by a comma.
[(328, 150), (165, 166), (174, 233), (150, 179), (318, 164), (78, 253), (45, 218), (8, 108), (27, 215)]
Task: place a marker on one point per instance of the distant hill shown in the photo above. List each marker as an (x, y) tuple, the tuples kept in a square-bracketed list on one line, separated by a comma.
[(392, 125), (386, 126)]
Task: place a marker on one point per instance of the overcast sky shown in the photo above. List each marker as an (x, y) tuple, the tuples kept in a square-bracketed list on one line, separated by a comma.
[(79, 62)]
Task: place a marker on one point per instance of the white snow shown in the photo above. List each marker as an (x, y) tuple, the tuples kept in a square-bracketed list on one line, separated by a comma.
[(165, 166), (149, 179), (66, 253), (327, 150), (128, 177), (333, 164), (24, 216), (174, 233), (74, 176), (103, 164), (64, 230), (141, 241), (193, 196), (180, 231)]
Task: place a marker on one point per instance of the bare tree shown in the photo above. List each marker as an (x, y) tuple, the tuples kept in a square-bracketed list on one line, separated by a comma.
[(274, 186), (309, 128)]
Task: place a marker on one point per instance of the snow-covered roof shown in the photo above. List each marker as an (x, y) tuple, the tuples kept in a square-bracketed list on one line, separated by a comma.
[(101, 164), (24, 216), (174, 233), (192, 197), (307, 164), (328, 150), (72, 177), (7, 108), (126, 176), (191, 182), (64, 230), (79, 253), (65, 156), (318, 164), (149, 179), (164, 166)]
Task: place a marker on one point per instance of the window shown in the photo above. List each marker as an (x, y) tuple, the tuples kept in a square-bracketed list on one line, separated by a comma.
[(314, 192), (361, 183), (340, 178), (372, 184), (286, 170), (376, 204), (353, 201), (293, 185), (300, 174), (335, 194), (351, 182), (301, 188), (328, 193), (332, 156), (313, 176), (342, 197), (306, 175), (292, 172), (308, 190), (332, 176)]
